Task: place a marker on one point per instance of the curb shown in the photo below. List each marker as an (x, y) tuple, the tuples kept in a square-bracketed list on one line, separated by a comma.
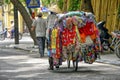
[(21, 49), (29, 50)]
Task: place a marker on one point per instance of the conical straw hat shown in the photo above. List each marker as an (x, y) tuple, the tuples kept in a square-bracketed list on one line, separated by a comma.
[(55, 8)]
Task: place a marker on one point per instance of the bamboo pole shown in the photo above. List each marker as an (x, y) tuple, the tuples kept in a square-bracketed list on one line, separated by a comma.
[(97, 11), (93, 2), (107, 10), (119, 17), (108, 24)]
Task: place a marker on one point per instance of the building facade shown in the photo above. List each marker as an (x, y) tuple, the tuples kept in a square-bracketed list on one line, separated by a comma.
[(7, 15)]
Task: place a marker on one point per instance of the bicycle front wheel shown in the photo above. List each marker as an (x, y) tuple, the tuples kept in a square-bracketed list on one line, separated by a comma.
[(117, 52)]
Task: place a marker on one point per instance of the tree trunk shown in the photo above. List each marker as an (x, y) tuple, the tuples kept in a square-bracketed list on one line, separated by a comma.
[(65, 6), (86, 6), (25, 16), (16, 25)]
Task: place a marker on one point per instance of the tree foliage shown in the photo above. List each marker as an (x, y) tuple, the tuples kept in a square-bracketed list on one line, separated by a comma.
[(74, 5), (60, 4), (47, 3), (8, 1), (70, 5)]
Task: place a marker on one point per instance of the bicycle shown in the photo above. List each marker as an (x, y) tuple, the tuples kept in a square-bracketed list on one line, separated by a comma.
[(3, 35), (116, 42)]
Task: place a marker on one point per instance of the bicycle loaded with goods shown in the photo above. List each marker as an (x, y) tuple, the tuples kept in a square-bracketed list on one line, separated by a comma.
[(75, 38)]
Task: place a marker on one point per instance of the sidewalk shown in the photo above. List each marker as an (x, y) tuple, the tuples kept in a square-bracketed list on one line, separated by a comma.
[(107, 58)]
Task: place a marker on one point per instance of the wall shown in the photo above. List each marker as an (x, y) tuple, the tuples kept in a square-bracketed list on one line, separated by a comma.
[(107, 10), (1, 21), (9, 16)]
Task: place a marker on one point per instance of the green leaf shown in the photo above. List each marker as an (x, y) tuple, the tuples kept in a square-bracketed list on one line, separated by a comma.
[(7, 1)]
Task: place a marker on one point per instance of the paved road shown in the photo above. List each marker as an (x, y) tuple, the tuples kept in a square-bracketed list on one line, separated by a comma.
[(23, 65)]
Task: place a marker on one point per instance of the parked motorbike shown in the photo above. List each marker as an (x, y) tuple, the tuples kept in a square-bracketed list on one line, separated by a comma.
[(116, 42), (105, 37)]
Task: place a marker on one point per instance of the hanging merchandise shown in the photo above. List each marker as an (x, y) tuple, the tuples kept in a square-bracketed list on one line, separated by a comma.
[(74, 37)]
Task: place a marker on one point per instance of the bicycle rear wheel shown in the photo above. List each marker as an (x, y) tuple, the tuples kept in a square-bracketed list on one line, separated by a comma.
[(2, 37)]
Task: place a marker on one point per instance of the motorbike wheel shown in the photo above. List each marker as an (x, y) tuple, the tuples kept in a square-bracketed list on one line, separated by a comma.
[(105, 47), (117, 52), (2, 37)]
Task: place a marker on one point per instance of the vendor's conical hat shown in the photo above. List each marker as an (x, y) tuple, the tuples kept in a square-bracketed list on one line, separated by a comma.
[(55, 8)]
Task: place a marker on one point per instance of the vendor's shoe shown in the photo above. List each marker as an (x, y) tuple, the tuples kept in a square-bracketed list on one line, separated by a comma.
[(57, 66)]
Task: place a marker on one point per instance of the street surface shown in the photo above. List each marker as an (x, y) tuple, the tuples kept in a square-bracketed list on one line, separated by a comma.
[(22, 65), (18, 64)]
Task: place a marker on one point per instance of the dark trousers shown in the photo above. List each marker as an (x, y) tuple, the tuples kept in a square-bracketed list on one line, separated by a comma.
[(50, 63), (50, 59), (12, 33), (41, 45)]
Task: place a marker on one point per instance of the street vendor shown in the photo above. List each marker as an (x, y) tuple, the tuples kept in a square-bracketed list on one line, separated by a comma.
[(50, 24), (73, 37)]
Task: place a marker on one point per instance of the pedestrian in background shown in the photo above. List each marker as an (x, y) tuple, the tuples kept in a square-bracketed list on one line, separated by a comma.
[(39, 25), (12, 30)]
